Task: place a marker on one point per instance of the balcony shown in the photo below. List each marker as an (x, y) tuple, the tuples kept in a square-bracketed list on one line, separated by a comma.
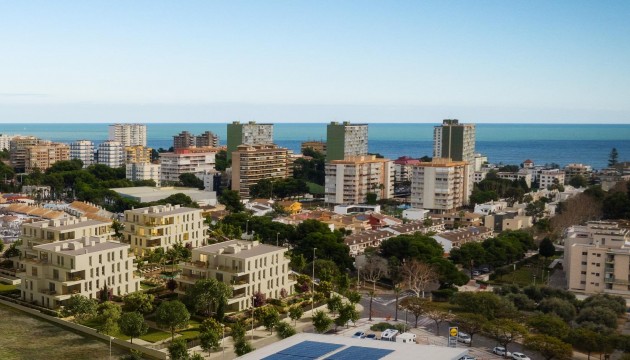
[(195, 264), (230, 269), (76, 276), (190, 278)]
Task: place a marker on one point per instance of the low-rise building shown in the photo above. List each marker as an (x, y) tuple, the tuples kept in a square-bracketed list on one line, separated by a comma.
[(458, 237), (196, 161), (85, 266), (491, 207), (597, 259), (551, 177), (415, 214), (147, 194), (516, 176), (162, 226), (572, 170), (319, 146), (249, 267), (143, 171), (350, 180)]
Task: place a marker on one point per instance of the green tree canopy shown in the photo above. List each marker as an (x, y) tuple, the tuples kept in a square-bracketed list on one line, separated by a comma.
[(172, 315), (132, 324)]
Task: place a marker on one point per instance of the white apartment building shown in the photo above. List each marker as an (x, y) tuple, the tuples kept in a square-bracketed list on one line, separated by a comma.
[(572, 170), (512, 176), (82, 150), (480, 161), (597, 259), (5, 141), (247, 134), (346, 140), (548, 177), (143, 171), (491, 207), (111, 153), (457, 142), (162, 226), (188, 160), (439, 185), (349, 181), (82, 266), (128, 134), (247, 266)]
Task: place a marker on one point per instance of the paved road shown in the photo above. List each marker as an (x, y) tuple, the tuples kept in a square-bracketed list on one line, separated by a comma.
[(384, 306)]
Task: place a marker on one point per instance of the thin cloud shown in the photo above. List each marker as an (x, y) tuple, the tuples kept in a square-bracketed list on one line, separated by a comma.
[(23, 95)]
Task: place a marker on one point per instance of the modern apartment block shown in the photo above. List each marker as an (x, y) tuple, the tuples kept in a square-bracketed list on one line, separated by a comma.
[(457, 142), (439, 185), (128, 134), (111, 153), (247, 266), (187, 140), (143, 171), (17, 148), (572, 170), (549, 177), (247, 134), (83, 266), (512, 176), (162, 226), (252, 163), (402, 168), (597, 259), (319, 146), (345, 139), (137, 154), (82, 150), (190, 160), (44, 155), (349, 181), (5, 141)]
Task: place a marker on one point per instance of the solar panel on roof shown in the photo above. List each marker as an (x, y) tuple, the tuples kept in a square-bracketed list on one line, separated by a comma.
[(360, 352), (304, 350)]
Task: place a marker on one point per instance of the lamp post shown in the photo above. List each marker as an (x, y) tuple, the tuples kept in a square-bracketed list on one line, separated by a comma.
[(253, 318), (277, 234), (246, 227), (222, 340), (313, 300), (110, 347)]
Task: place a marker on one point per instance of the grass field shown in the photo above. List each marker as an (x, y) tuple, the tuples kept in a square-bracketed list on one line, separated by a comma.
[(525, 275), (315, 189)]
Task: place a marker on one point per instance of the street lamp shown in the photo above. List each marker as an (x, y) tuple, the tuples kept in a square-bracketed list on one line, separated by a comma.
[(110, 347), (313, 300)]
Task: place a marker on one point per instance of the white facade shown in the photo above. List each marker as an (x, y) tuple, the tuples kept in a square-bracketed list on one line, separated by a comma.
[(547, 177), (128, 134), (82, 266), (143, 171), (111, 153), (247, 266), (162, 226), (186, 161), (480, 160), (82, 150), (439, 186), (349, 181), (491, 207), (516, 176), (5, 141), (415, 214)]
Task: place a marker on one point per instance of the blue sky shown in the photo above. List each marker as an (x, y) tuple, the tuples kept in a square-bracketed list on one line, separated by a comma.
[(315, 61)]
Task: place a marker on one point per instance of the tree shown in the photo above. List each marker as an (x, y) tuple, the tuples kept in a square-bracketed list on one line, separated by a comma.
[(471, 324), (334, 303), (347, 312), (210, 335), (613, 158), (578, 181), (487, 304), (133, 355), (295, 313), (418, 275), (505, 331), (598, 315), (132, 324), (178, 350), (549, 347), (269, 316), (80, 307), (232, 201), (107, 314), (374, 269), (321, 321), (354, 297), (549, 324), (438, 316), (172, 315), (118, 227), (138, 302), (370, 198), (414, 305), (587, 341), (546, 248), (208, 295), (242, 347), (284, 330), (191, 180), (563, 308)]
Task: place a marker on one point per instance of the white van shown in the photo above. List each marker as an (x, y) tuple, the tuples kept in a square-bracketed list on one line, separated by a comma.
[(389, 335), (406, 338)]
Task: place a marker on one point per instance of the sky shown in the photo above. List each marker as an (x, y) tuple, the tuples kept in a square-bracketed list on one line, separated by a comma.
[(315, 61)]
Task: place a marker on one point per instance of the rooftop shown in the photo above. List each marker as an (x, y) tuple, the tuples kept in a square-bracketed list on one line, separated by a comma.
[(239, 248), (81, 246), (163, 210)]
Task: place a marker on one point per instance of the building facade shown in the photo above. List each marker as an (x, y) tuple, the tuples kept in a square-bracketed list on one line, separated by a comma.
[(247, 266), (44, 155), (111, 153), (349, 181), (207, 139), (457, 142), (17, 149), (84, 266), (163, 226), (439, 185), (345, 139), (247, 134), (186, 140), (128, 134), (252, 163), (402, 168), (143, 171), (137, 154), (550, 177), (572, 170), (191, 160), (319, 146), (82, 150), (597, 259)]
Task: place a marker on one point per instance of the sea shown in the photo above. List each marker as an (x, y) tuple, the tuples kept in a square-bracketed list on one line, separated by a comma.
[(502, 143)]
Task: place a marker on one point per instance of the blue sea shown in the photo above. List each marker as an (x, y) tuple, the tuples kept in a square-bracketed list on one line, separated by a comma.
[(502, 143)]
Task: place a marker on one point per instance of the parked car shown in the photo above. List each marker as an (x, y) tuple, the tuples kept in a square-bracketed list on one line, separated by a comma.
[(520, 356), (464, 338), (467, 357), (371, 336), (359, 335), (500, 350)]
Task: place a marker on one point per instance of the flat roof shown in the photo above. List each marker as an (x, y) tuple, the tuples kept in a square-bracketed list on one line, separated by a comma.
[(61, 227), (163, 210), (256, 248), (81, 246), (307, 346)]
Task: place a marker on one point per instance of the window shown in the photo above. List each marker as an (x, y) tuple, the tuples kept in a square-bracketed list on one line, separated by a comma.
[(583, 272), (583, 262), (584, 253)]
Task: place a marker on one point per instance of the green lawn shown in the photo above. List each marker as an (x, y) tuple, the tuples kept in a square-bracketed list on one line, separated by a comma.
[(5, 287), (315, 189), (155, 335), (524, 275)]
